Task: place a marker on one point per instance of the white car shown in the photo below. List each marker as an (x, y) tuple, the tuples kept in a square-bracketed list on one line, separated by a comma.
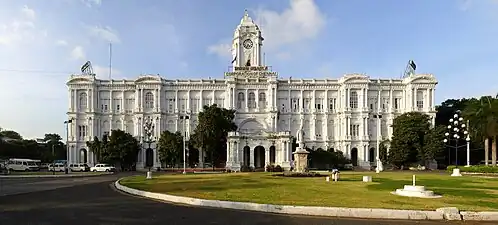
[(57, 167), (103, 168)]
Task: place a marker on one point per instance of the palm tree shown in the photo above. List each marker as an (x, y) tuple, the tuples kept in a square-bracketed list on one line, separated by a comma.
[(483, 116), (96, 147)]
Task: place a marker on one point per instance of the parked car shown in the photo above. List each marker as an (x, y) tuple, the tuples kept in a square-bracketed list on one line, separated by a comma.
[(22, 165), (81, 167), (57, 167), (103, 168)]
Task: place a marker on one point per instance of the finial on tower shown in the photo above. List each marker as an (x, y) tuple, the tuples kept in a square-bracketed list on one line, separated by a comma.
[(246, 14)]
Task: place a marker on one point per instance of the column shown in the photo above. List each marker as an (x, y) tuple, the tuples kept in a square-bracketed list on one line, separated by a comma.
[(158, 104), (246, 100), (141, 100), (234, 98), (237, 153), (301, 102), (289, 108), (137, 93), (188, 101), (274, 103), (267, 155), (313, 101), (176, 105), (391, 101), (251, 157), (200, 106), (229, 159), (213, 98), (75, 101), (433, 99), (70, 98)]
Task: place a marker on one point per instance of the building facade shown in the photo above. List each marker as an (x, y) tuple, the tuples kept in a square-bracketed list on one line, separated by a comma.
[(351, 114)]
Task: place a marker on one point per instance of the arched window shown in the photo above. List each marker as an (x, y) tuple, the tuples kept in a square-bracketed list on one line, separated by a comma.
[(353, 100), (149, 100), (262, 100), (83, 101), (251, 100), (240, 100)]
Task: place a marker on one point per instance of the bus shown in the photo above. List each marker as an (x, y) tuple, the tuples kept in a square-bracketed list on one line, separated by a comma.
[(23, 164)]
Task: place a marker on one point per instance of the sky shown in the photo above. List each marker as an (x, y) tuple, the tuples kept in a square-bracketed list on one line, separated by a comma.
[(43, 42)]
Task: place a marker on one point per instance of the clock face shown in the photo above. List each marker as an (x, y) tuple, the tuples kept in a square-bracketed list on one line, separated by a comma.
[(247, 44)]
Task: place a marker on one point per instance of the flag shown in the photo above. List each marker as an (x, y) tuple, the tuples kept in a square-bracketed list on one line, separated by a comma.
[(234, 59), (412, 64), (85, 66)]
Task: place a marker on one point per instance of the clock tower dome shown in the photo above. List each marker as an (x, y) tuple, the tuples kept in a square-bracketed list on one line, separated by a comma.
[(246, 44)]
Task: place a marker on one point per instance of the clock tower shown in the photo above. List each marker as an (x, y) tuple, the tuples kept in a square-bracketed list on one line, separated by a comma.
[(246, 44)]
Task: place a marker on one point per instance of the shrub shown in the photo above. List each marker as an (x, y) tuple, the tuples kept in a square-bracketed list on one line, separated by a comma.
[(278, 168), (270, 168), (475, 169), (246, 169), (296, 174)]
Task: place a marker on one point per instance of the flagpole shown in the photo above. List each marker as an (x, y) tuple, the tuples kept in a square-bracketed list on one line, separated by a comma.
[(110, 60)]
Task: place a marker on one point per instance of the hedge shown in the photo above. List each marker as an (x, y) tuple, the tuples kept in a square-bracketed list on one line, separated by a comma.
[(475, 169)]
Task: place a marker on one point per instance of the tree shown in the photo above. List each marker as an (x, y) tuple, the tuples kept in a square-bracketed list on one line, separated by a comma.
[(55, 146), (411, 140), (10, 134), (383, 154), (170, 147), (483, 116), (96, 147), (212, 130), (122, 148)]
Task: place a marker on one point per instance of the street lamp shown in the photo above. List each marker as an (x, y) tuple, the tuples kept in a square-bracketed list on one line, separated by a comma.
[(147, 138), (68, 159), (184, 119), (379, 167), (458, 130)]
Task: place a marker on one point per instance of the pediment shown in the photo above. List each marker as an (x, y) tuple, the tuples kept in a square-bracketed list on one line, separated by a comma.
[(421, 79), (81, 79), (355, 78), (148, 79)]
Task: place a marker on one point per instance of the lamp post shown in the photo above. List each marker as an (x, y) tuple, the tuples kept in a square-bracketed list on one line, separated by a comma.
[(457, 130), (184, 119), (148, 131), (68, 158), (379, 167)]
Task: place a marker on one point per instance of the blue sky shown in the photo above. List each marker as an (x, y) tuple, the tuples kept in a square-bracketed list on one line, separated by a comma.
[(42, 42)]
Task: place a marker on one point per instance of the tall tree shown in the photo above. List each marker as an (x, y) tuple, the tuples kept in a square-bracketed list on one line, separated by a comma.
[(10, 134), (483, 116), (96, 147), (55, 146), (122, 148), (170, 147), (211, 132), (412, 140)]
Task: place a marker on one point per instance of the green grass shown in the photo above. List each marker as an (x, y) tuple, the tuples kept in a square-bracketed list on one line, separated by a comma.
[(466, 193)]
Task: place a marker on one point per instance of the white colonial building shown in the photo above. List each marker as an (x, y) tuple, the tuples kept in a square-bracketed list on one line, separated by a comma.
[(351, 114)]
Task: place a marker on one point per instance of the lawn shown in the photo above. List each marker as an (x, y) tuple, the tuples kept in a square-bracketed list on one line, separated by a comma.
[(40, 173), (465, 193)]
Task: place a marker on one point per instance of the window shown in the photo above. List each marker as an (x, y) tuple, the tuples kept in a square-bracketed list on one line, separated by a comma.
[(81, 132), (332, 104), (354, 130), (130, 102), (251, 100), (353, 100), (83, 100), (397, 102), (149, 100), (262, 100), (171, 107), (420, 100), (295, 104)]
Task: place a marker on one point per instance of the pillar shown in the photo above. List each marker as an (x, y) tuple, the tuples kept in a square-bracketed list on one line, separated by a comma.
[(201, 158), (251, 157)]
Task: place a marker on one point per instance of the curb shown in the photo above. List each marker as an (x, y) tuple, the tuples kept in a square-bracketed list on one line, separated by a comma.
[(54, 176), (449, 213)]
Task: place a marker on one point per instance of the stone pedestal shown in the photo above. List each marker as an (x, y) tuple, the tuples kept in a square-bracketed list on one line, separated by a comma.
[(149, 175), (301, 160), (456, 173)]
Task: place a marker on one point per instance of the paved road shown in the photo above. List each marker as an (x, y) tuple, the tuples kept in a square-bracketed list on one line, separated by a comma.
[(95, 201)]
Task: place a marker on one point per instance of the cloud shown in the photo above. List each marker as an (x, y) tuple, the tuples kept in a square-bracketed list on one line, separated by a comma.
[(104, 33), (78, 53), (279, 29), (61, 43), (28, 12), (20, 29), (102, 72), (222, 49), (92, 3)]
